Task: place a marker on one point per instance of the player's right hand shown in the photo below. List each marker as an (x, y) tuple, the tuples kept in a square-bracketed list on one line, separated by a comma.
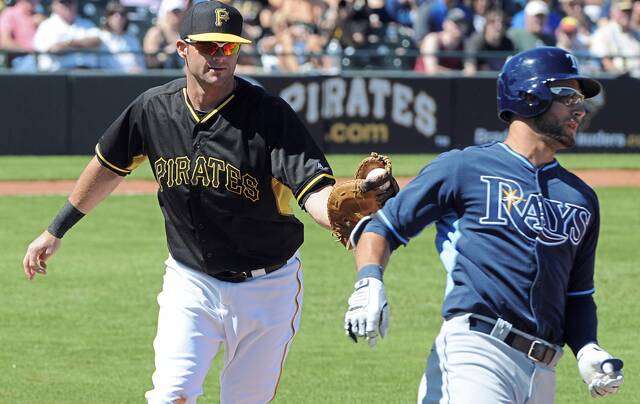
[(368, 312), (38, 252), (600, 371)]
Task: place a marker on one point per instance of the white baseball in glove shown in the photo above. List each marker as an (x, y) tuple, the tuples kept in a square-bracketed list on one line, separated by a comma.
[(601, 372)]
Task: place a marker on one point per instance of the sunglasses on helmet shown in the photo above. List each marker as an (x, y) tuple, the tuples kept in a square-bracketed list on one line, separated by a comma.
[(211, 48), (567, 95)]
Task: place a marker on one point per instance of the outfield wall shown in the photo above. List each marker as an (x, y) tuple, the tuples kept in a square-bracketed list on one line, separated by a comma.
[(354, 113)]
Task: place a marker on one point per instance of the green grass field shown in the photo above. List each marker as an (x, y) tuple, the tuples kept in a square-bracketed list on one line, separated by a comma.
[(69, 167), (83, 333)]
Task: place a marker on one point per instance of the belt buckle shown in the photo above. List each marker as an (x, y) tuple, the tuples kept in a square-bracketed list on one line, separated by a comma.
[(532, 348)]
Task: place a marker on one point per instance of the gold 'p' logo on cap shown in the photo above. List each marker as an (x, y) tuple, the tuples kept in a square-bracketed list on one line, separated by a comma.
[(222, 15)]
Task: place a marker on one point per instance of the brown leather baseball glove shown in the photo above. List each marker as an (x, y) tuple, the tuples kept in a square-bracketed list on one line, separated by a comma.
[(352, 200)]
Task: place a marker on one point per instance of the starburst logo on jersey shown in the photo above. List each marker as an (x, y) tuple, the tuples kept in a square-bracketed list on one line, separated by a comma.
[(549, 221), (511, 197), (222, 16)]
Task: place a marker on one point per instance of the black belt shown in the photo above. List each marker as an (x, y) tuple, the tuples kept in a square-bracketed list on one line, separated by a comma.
[(237, 277), (536, 349)]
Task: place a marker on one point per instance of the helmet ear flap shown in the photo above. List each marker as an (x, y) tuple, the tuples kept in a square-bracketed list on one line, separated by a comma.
[(534, 104), (529, 99), (525, 104)]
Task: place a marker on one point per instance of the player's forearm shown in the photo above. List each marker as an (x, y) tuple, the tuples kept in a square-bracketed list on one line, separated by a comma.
[(93, 186), (372, 248), (316, 206)]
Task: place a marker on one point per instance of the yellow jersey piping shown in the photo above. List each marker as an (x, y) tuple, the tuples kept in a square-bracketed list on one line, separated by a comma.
[(293, 329), (101, 157), (312, 183), (210, 114)]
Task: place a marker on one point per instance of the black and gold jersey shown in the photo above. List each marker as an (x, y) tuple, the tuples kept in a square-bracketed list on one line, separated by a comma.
[(226, 177)]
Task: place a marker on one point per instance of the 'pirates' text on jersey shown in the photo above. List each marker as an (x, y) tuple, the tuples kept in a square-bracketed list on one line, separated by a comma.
[(225, 177)]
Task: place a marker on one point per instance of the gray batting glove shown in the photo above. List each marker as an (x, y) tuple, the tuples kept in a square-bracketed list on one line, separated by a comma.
[(601, 372), (368, 312)]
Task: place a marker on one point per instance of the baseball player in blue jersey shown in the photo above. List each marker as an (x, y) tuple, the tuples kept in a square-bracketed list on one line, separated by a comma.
[(517, 235)]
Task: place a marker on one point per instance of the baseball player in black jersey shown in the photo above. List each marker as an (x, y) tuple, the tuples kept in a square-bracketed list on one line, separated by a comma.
[(228, 158)]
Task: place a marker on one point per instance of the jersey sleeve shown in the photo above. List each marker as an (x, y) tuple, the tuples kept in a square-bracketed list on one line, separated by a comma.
[(296, 160), (581, 277), (121, 147), (422, 202)]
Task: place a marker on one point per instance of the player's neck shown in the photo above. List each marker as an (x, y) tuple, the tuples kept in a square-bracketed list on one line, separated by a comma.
[(524, 141), (206, 98)]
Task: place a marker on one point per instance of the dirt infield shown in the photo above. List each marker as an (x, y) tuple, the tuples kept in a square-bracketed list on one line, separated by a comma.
[(595, 178)]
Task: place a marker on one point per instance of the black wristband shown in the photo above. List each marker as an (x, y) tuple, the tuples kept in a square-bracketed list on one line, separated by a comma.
[(64, 220)]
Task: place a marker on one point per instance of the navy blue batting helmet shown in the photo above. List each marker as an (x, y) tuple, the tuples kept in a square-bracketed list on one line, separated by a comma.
[(523, 83)]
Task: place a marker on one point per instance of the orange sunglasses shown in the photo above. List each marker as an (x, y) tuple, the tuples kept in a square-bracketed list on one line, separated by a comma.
[(211, 48)]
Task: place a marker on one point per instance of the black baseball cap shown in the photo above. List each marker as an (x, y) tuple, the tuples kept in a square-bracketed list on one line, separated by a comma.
[(212, 21)]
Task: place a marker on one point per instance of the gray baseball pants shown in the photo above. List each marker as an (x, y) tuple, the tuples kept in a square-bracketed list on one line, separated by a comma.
[(471, 367)]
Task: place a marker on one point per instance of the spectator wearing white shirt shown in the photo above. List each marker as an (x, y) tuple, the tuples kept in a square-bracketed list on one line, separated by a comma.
[(121, 52), (62, 33), (616, 42)]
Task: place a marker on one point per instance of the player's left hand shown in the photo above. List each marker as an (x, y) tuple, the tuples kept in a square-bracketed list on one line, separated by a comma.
[(368, 313), (352, 200), (600, 371), (38, 252)]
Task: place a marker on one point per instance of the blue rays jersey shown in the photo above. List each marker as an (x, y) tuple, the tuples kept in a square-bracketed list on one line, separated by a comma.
[(516, 240)]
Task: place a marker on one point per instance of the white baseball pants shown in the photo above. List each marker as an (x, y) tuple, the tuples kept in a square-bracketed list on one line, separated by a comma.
[(471, 367), (256, 321)]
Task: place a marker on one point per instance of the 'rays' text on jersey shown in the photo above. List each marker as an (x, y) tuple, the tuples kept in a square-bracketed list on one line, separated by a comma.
[(205, 172), (549, 221)]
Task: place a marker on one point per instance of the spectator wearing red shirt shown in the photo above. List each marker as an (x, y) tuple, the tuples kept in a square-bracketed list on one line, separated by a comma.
[(18, 25), (450, 39)]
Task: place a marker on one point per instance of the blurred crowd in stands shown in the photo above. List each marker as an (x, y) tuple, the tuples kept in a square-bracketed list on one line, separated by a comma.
[(327, 36)]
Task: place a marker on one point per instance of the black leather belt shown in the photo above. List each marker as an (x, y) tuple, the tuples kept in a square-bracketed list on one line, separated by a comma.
[(537, 350), (237, 277)]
